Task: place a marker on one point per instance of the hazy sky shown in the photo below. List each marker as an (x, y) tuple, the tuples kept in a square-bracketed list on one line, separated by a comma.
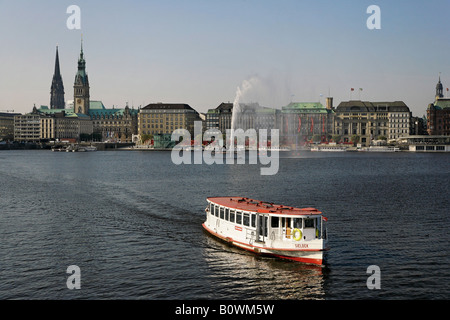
[(199, 52)]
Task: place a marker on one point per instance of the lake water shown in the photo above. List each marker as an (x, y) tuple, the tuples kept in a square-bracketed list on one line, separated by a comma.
[(132, 222)]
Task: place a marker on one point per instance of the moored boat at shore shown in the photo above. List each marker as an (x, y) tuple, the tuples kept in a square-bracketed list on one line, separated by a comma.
[(380, 149), (268, 229), (329, 148)]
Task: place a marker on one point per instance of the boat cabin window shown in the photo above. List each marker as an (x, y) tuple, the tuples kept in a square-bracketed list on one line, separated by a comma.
[(222, 212), (246, 220), (298, 223), (254, 220), (216, 211), (275, 221), (239, 217), (232, 214), (211, 208), (309, 223), (227, 214)]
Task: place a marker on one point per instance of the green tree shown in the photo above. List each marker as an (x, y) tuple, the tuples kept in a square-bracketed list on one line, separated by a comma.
[(336, 138), (316, 138), (146, 137), (355, 139)]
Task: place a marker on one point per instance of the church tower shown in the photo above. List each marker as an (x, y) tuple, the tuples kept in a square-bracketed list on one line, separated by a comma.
[(81, 87), (57, 89), (439, 89)]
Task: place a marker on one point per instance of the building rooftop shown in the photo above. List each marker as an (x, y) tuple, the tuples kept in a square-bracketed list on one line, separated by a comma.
[(367, 106), (305, 107), (168, 106), (112, 112), (7, 114), (442, 103), (98, 110)]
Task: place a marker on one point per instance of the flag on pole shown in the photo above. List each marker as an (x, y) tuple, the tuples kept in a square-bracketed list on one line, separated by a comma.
[(312, 124), (299, 124)]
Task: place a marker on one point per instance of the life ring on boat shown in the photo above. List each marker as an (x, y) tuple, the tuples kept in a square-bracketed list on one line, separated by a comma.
[(297, 234)]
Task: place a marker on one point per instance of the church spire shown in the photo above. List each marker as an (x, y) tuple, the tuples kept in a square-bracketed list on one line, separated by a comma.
[(57, 71), (57, 88), (439, 88)]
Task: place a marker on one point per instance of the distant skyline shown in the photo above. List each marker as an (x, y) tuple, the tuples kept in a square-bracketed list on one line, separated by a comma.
[(199, 51)]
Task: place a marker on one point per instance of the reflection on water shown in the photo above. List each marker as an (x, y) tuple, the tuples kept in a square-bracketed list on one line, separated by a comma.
[(259, 277)]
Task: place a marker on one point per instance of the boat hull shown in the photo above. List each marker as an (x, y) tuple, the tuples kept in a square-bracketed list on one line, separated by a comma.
[(313, 256)]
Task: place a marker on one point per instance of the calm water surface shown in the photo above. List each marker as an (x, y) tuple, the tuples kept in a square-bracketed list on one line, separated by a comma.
[(132, 222)]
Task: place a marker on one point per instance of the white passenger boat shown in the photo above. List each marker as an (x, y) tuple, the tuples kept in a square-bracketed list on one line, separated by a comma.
[(383, 149), (268, 229), (328, 148)]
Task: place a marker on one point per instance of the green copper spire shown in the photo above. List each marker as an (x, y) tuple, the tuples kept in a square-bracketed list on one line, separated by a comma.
[(81, 75), (81, 86)]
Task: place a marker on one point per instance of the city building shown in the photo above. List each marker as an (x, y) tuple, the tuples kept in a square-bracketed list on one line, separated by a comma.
[(164, 118), (27, 127), (7, 125), (438, 113), (267, 118), (220, 117), (400, 121), (301, 121), (249, 116), (418, 126), (57, 88), (367, 121), (61, 126), (114, 125), (118, 125)]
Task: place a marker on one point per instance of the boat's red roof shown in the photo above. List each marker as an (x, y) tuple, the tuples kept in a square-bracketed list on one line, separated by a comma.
[(252, 205)]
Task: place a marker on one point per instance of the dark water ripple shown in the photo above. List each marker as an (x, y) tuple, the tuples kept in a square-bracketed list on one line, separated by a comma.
[(132, 222)]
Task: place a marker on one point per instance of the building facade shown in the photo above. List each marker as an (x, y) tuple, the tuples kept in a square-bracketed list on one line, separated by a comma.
[(249, 116), (59, 126), (27, 127), (165, 118), (371, 121), (118, 125), (400, 121), (438, 113), (301, 121), (220, 117), (7, 125)]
